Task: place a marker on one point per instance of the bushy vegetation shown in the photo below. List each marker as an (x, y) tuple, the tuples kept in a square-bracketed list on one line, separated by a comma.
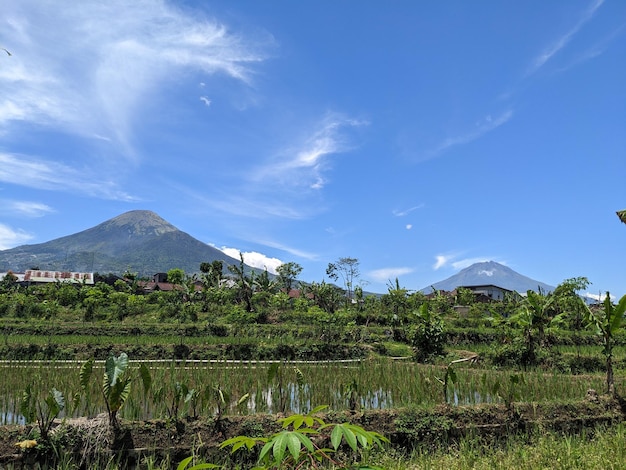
[(537, 347)]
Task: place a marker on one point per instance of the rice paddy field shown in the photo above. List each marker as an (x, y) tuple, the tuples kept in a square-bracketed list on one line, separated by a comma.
[(293, 387)]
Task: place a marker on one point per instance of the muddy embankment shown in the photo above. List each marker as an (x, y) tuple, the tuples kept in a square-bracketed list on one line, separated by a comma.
[(90, 440)]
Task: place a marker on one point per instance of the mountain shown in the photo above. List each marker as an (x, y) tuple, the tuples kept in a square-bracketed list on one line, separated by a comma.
[(489, 273), (139, 240)]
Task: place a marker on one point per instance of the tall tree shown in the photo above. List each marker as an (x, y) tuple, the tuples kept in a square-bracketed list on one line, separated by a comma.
[(176, 276), (348, 270), (244, 283), (288, 274), (212, 273), (622, 215)]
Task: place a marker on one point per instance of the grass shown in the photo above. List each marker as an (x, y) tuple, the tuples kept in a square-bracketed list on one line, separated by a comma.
[(598, 450), (381, 384)]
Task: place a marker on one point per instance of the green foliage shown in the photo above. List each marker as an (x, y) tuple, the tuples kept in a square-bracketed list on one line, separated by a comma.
[(176, 276), (188, 464), (302, 441), (44, 411), (607, 323), (115, 383), (509, 392), (427, 336), (288, 274), (449, 377)]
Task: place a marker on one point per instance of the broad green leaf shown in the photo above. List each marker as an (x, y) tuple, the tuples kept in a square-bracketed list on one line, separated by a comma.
[(294, 445), (58, 398), (115, 368), (280, 444), (452, 375), (85, 373), (243, 399), (339, 431), (239, 441), (146, 378), (183, 464), (266, 448), (272, 371), (317, 409), (618, 314), (299, 377)]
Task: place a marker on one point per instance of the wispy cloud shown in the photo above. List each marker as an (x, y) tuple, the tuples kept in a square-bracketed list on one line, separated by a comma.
[(288, 249), (305, 163), (482, 127), (594, 50), (10, 238), (39, 174), (24, 208), (550, 51), (388, 274), (405, 212), (288, 185), (88, 69), (450, 260)]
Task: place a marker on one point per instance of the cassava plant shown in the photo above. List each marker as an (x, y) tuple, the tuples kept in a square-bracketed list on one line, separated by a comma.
[(302, 442)]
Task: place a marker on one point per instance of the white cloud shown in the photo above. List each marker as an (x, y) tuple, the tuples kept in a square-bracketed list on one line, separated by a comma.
[(293, 251), (450, 260), (205, 100), (409, 226), (25, 208), (563, 40), (387, 274), (405, 212), (482, 127), (305, 163), (39, 174), (10, 238), (88, 69), (441, 261), (254, 259)]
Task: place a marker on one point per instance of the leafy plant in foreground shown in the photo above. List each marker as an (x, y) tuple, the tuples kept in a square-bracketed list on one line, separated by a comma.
[(607, 324), (115, 384), (44, 411), (302, 440), (427, 336), (184, 465)]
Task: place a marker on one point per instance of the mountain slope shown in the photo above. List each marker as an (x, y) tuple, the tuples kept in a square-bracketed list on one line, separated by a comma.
[(137, 240), (488, 273)]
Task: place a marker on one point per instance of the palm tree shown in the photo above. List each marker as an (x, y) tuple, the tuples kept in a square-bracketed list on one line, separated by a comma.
[(622, 215)]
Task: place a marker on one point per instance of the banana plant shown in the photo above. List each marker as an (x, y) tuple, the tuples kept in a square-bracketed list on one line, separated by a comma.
[(607, 323)]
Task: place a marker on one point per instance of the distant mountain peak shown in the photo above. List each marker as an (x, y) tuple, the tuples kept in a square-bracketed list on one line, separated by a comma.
[(139, 222), (490, 273), (139, 240)]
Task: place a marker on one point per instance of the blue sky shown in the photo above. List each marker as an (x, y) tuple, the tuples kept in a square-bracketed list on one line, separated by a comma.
[(417, 137)]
